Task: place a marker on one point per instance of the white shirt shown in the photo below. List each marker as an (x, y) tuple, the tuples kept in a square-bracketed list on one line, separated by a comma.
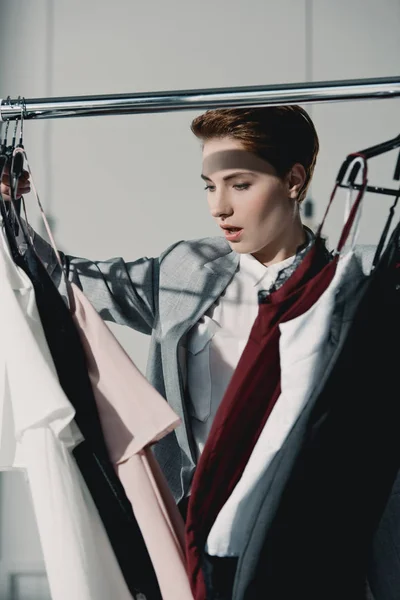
[(38, 433), (303, 342), (217, 341)]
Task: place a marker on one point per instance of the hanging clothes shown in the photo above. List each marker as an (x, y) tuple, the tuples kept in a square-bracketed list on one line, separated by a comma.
[(274, 477), (91, 455), (302, 359), (251, 395), (318, 543), (134, 416), (79, 560)]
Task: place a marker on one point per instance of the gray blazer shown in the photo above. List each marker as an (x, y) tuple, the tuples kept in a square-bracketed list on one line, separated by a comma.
[(162, 297)]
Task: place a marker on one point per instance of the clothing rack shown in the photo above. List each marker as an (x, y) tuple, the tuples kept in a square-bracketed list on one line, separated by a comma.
[(271, 95)]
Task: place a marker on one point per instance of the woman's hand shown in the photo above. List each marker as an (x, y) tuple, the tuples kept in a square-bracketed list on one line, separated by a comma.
[(24, 185)]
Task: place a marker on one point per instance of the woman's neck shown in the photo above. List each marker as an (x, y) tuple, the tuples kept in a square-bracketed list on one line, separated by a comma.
[(284, 247)]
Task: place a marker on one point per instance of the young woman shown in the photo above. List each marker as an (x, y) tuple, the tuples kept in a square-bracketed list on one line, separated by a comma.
[(199, 299)]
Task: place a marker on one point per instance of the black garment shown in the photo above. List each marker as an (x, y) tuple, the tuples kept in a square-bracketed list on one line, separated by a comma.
[(219, 576), (91, 455), (183, 507), (384, 557), (317, 546)]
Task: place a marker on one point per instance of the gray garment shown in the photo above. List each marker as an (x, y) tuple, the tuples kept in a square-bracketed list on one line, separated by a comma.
[(278, 473), (162, 297)]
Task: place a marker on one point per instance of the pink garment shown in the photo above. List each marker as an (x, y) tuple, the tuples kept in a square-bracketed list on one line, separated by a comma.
[(133, 416)]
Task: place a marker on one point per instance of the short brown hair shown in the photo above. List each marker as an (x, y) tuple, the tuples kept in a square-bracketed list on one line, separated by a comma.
[(281, 135)]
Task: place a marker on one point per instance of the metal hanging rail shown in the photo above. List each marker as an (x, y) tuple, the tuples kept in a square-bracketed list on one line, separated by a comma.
[(271, 95)]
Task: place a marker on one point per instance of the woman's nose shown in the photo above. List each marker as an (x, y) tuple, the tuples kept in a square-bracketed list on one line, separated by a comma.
[(219, 205)]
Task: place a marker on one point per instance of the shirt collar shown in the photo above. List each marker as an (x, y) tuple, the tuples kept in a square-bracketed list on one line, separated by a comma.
[(257, 271)]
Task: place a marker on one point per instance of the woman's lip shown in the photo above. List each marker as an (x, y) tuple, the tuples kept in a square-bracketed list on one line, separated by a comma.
[(232, 236)]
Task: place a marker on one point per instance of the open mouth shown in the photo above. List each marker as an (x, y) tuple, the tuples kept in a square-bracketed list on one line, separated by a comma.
[(233, 233)]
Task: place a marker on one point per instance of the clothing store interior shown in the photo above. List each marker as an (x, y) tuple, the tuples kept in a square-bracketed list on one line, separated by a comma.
[(200, 300)]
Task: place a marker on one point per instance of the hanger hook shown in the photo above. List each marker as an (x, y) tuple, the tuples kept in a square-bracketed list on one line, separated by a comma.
[(25, 114), (4, 144), (21, 134), (14, 138), (355, 162)]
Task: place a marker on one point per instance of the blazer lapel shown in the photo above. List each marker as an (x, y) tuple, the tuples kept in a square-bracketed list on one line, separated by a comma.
[(203, 287)]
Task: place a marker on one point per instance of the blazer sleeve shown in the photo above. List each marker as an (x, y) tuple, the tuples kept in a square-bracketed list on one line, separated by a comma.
[(121, 292)]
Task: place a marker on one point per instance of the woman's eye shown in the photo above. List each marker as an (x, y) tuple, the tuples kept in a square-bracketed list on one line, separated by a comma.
[(237, 186)]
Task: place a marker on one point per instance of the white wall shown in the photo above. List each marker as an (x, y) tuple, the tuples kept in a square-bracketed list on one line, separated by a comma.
[(130, 185)]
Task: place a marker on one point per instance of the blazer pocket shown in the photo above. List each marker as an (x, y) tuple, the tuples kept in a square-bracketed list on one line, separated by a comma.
[(198, 369)]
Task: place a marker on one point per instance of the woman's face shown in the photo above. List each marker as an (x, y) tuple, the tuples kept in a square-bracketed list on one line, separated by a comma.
[(260, 206)]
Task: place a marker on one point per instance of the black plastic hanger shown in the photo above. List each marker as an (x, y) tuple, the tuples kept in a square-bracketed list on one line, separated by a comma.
[(13, 157), (369, 153)]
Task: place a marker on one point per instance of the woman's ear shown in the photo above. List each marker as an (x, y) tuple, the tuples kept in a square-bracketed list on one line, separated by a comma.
[(295, 180)]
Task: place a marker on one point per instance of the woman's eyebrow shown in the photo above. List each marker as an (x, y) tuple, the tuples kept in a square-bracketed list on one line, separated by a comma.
[(227, 177)]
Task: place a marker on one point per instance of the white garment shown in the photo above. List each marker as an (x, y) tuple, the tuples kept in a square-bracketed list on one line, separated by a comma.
[(217, 341), (301, 346), (79, 560)]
